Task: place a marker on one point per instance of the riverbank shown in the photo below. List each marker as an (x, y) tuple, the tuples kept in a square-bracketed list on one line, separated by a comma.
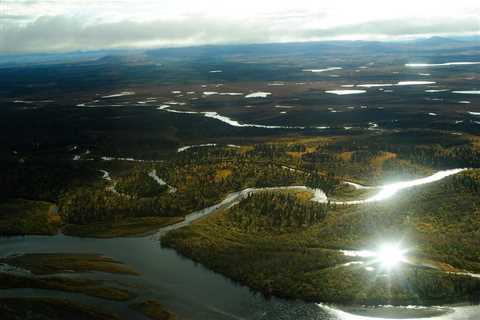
[(176, 273), (132, 227), (299, 260), (21, 217), (304, 263)]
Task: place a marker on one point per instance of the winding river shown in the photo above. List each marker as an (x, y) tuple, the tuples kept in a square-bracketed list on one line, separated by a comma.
[(188, 288)]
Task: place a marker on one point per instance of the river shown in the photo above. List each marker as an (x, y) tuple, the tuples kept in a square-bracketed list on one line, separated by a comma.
[(183, 286)]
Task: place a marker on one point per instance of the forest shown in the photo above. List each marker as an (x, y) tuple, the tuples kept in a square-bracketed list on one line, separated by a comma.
[(279, 212), (201, 177), (438, 223)]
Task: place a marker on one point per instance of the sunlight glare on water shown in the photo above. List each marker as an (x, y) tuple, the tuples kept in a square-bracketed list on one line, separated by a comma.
[(390, 190), (390, 256)]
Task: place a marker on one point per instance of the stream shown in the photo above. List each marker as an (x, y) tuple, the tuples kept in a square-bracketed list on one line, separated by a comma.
[(189, 289)]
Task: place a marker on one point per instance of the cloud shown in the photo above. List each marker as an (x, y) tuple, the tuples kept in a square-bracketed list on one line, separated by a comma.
[(404, 27), (62, 34), (66, 28), (13, 17)]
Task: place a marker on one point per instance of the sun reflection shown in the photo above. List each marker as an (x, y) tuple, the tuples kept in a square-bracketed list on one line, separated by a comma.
[(389, 190), (390, 256), (387, 256)]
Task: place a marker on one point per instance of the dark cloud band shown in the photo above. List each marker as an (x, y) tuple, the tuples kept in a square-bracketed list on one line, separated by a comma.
[(62, 33)]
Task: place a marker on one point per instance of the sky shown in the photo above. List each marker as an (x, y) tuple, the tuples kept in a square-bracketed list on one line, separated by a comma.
[(28, 26)]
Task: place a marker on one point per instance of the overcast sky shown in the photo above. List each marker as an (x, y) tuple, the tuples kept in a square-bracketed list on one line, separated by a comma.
[(70, 25)]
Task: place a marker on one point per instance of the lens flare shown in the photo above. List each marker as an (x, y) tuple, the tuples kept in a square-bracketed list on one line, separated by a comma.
[(390, 256)]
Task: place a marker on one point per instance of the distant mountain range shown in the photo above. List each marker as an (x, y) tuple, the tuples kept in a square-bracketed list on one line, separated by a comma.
[(146, 56)]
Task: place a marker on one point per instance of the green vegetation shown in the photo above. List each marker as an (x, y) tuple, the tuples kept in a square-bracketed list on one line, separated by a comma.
[(275, 212), (124, 228), (139, 185), (278, 243), (20, 216), (199, 184), (153, 310), (204, 176), (438, 223), (328, 183), (407, 153), (282, 243), (48, 309), (440, 220), (345, 192), (44, 176)]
